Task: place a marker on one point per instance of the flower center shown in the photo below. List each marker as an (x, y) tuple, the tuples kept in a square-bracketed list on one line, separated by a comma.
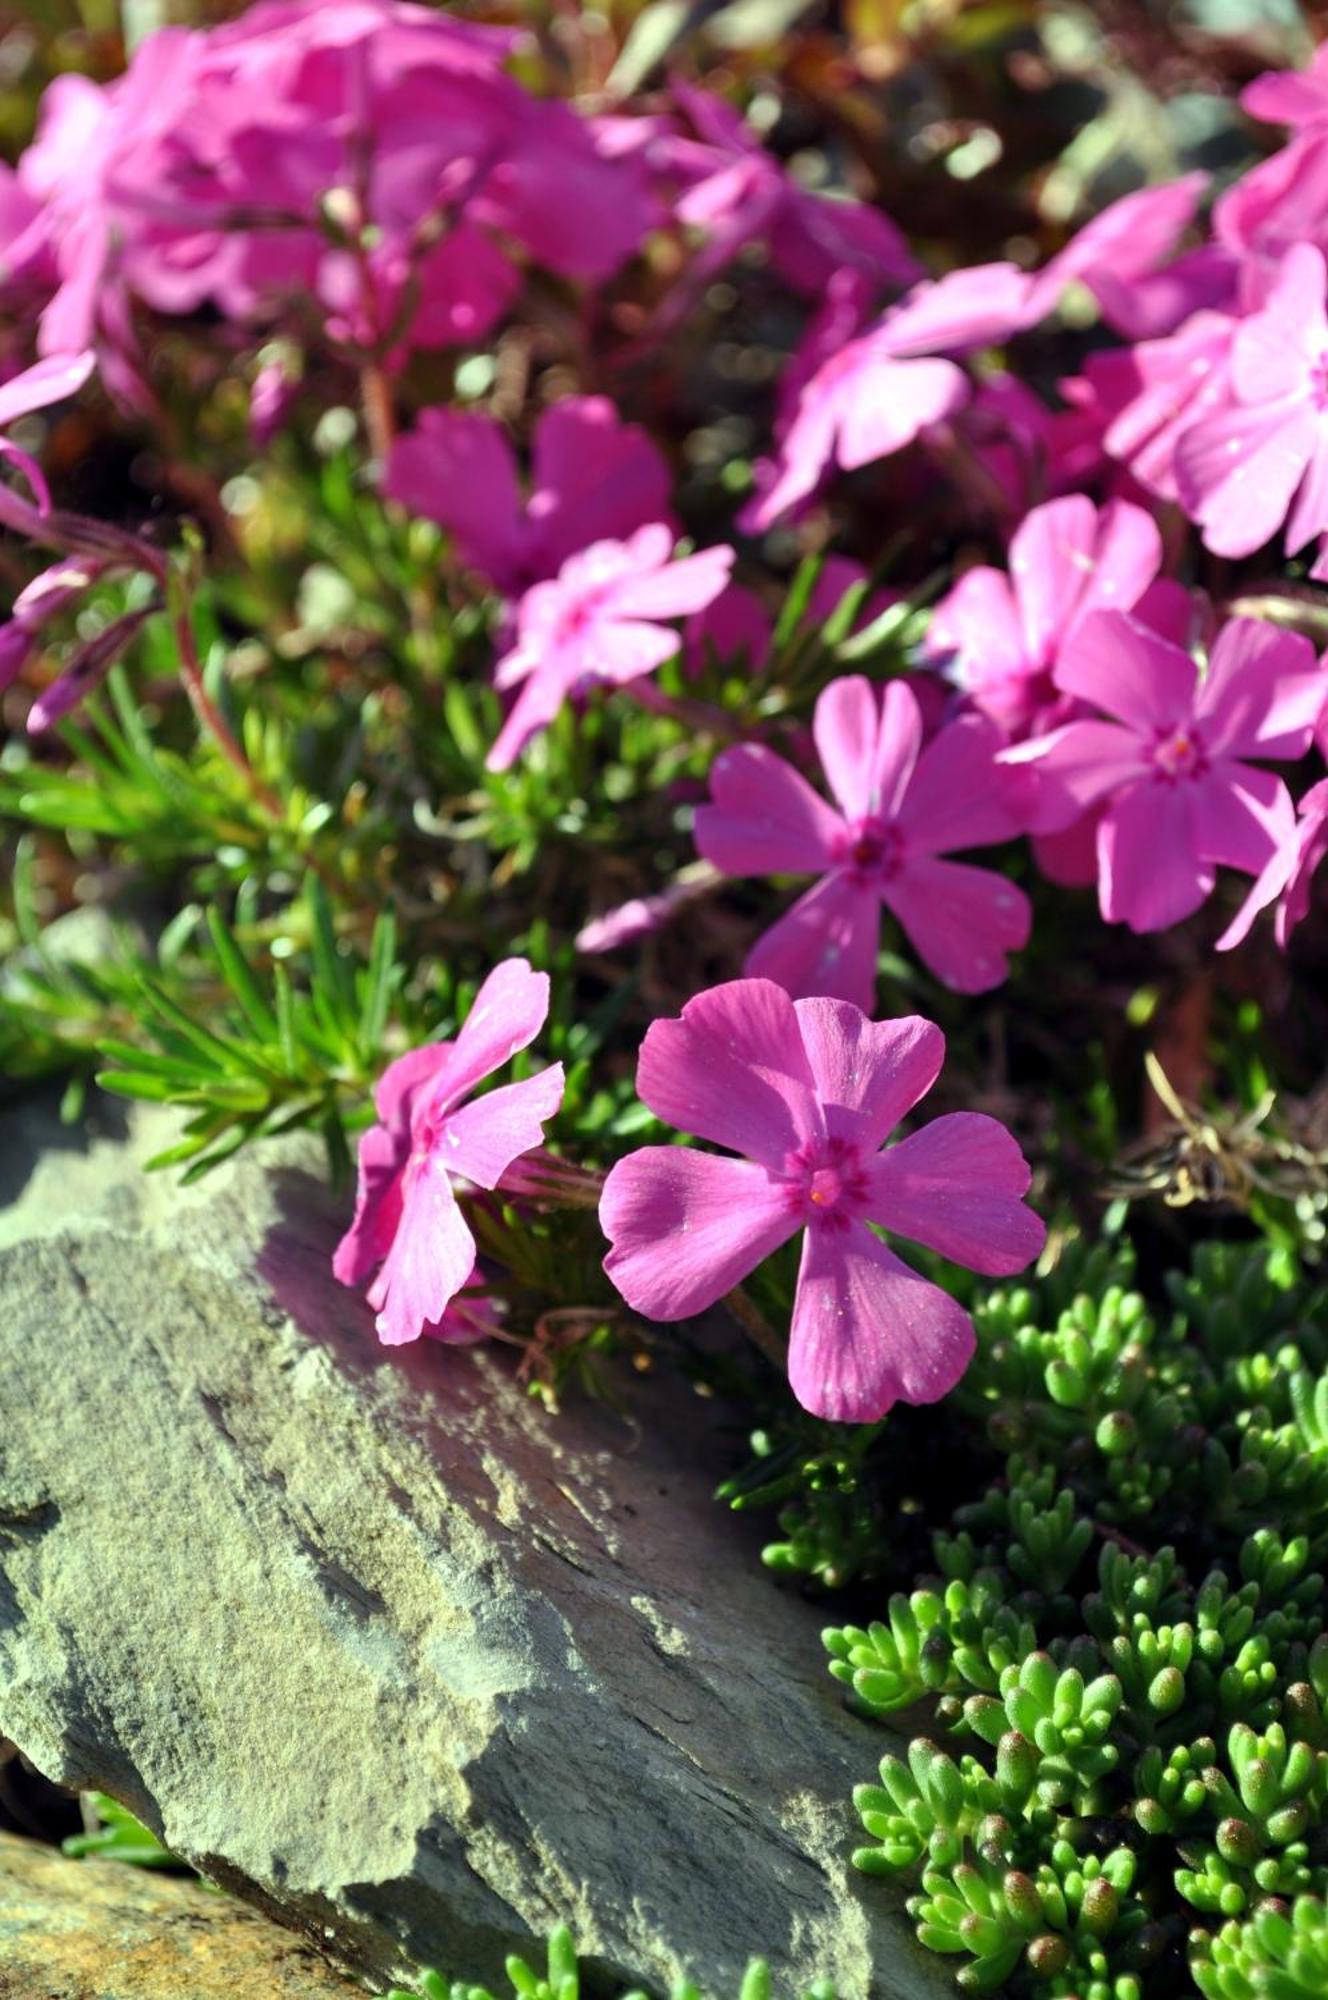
[(827, 1185), (873, 848), (1179, 753), (573, 620)]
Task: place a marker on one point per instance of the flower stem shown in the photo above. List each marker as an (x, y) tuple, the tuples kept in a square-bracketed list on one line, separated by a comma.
[(756, 1326)]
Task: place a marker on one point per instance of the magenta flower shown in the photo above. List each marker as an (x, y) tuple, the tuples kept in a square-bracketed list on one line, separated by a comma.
[(408, 1226), (899, 808), (1178, 798), (807, 1092), (593, 478), (598, 622), (884, 389), (1287, 874), (1261, 459), (999, 638)]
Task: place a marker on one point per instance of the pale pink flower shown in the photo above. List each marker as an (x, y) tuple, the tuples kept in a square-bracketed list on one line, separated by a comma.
[(599, 623), (1287, 874), (999, 637), (1177, 798), (1260, 460), (593, 478), (899, 809), (807, 1092), (408, 1226)]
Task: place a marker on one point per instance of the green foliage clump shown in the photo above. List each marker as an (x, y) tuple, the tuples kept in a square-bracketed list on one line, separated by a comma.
[(1122, 1650)]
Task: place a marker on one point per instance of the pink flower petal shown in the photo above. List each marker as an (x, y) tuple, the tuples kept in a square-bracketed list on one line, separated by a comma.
[(960, 796), (826, 943), (1150, 875), (595, 478), (764, 818), (481, 1139), (904, 398), (1238, 470), (457, 468), (47, 381), (1240, 816), (675, 591), (508, 1012), (962, 922), (432, 1255), (868, 1332), (957, 1186), (534, 708), (686, 1227), (868, 1074), (979, 305), (976, 635), (1077, 765), (402, 1080), (1263, 693), (377, 1207), (732, 1069), (617, 651), (1121, 666), (867, 747), (1067, 559)]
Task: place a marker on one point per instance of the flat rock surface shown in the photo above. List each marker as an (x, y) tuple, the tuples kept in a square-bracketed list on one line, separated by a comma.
[(371, 1637), (96, 1930)]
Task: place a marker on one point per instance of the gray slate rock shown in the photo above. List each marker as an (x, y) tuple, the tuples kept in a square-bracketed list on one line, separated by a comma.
[(373, 1639)]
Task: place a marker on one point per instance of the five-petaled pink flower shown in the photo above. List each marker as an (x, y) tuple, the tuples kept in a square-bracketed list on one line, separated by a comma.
[(406, 1216), (807, 1092), (598, 622), (899, 808), (1287, 875), (1179, 798)]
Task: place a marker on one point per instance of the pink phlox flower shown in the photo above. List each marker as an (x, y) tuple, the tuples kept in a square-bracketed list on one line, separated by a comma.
[(1291, 96), (882, 390), (431, 1133), (739, 193), (1287, 874), (593, 478), (1168, 770), (806, 1093), (899, 809), (600, 622), (1278, 204), (998, 637), (1260, 460)]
